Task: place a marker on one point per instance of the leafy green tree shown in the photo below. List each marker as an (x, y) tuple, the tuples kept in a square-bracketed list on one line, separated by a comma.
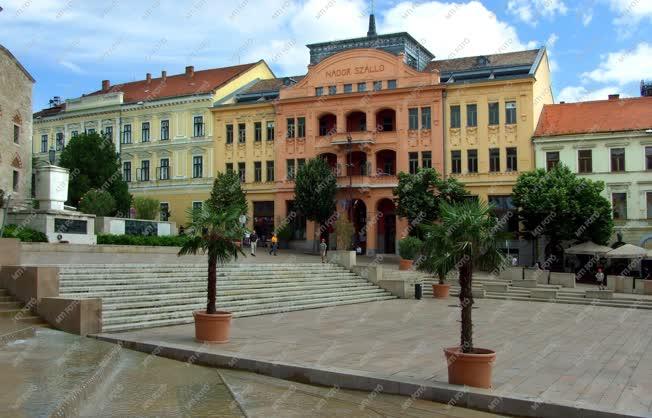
[(465, 237), (315, 187), (147, 207), (213, 232), (97, 202), (94, 164), (418, 196), (227, 192), (562, 206)]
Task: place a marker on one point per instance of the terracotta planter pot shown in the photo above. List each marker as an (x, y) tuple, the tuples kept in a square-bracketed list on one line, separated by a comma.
[(473, 369), (212, 328), (404, 264), (440, 291)]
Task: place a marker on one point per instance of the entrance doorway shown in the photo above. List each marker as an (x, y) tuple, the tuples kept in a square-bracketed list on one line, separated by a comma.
[(360, 223), (386, 227), (264, 219)]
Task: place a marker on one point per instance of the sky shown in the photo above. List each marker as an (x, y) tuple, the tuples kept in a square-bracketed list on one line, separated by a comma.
[(596, 47)]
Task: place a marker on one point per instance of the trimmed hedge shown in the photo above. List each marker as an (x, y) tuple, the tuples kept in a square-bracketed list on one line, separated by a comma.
[(409, 248), (24, 234), (154, 241)]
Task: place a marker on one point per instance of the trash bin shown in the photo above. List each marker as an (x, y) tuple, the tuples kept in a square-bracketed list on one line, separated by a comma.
[(418, 291)]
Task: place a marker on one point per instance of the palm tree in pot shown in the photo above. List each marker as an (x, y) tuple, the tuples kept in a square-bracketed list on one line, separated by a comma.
[(437, 242), (465, 237), (215, 233)]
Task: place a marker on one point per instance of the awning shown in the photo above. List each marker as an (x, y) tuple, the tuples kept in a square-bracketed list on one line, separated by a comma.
[(588, 248), (627, 251)]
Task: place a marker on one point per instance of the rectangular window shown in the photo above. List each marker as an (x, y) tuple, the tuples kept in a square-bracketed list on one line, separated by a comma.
[(197, 205), (494, 113), (471, 115), (504, 210), (145, 132), (229, 134), (258, 131), (332, 90), (617, 159), (300, 163), (552, 159), (270, 131), (391, 84), (510, 113), (229, 167), (269, 170), (425, 118), (164, 211), (44, 143), (301, 127), (648, 196), (165, 130), (16, 134), (290, 169), (164, 169), (241, 172), (319, 91), (585, 161), (74, 134), (413, 118), (472, 160), (242, 133), (108, 133), (362, 87), (378, 85), (16, 180), (426, 159), (59, 144), (619, 204), (144, 170), (258, 171), (198, 126), (290, 130), (126, 171), (126, 134), (648, 158), (348, 88), (197, 166), (512, 160), (494, 159), (456, 162), (413, 162), (455, 117), (90, 131)]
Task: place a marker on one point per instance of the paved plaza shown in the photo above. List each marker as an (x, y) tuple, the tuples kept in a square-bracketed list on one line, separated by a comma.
[(589, 356)]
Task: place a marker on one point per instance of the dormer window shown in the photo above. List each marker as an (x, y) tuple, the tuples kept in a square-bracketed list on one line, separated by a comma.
[(482, 61)]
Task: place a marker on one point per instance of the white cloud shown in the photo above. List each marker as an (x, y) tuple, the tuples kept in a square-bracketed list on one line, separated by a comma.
[(624, 66), (573, 94), (529, 11), (587, 17), (631, 11), (72, 67)]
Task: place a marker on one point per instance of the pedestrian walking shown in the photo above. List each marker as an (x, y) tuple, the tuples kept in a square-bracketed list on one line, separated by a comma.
[(253, 239), (274, 244), (599, 277), (323, 247)]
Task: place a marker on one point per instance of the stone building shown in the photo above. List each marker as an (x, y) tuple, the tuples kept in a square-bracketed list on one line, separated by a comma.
[(15, 128)]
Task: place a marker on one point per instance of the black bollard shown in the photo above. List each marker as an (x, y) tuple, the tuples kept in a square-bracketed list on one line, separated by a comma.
[(418, 291)]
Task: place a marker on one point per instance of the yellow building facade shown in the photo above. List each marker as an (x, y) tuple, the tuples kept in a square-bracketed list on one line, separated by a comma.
[(162, 127)]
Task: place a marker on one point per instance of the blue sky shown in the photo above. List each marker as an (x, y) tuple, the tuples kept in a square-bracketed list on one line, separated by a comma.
[(596, 47)]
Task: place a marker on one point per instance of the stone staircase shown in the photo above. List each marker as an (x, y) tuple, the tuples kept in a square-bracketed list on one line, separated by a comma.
[(563, 295), (13, 310), (142, 296)]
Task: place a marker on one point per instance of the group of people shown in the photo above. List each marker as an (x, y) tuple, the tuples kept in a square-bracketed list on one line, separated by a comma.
[(253, 244)]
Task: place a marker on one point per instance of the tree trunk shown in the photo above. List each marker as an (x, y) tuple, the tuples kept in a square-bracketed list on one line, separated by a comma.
[(466, 302), (212, 284), (442, 278)]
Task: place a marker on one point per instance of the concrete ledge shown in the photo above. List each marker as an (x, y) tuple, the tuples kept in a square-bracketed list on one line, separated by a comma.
[(541, 276), (511, 273), (37, 247), (529, 283), (77, 316), (543, 293), (373, 273), (30, 283), (647, 287), (462, 396), (620, 284), (599, 294), (403, 289), (345, 259), (495, 287), (478, 293), (563, 279), (9, 252)]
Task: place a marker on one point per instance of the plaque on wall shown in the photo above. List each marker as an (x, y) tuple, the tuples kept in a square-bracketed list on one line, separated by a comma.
[(143, 228), (70, 226)]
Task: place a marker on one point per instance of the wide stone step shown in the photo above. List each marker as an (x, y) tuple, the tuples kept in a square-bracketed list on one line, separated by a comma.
[(183, 267), (222, 272), (186, 319), (84, 281)]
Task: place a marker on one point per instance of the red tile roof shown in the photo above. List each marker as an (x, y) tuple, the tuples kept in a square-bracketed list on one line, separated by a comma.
[(615, 115), (204, 81)]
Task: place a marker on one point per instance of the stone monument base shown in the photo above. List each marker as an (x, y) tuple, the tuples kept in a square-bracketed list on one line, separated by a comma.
[(58, 225)]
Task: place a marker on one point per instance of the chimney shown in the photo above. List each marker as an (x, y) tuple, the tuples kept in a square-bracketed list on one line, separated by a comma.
[(190, 71), (562, 102), (148, 77), (614, 96), (106, 85), (164, 75)]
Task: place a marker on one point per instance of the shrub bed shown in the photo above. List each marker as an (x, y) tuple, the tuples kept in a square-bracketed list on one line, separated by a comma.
[(24, 234), (154, 241)]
